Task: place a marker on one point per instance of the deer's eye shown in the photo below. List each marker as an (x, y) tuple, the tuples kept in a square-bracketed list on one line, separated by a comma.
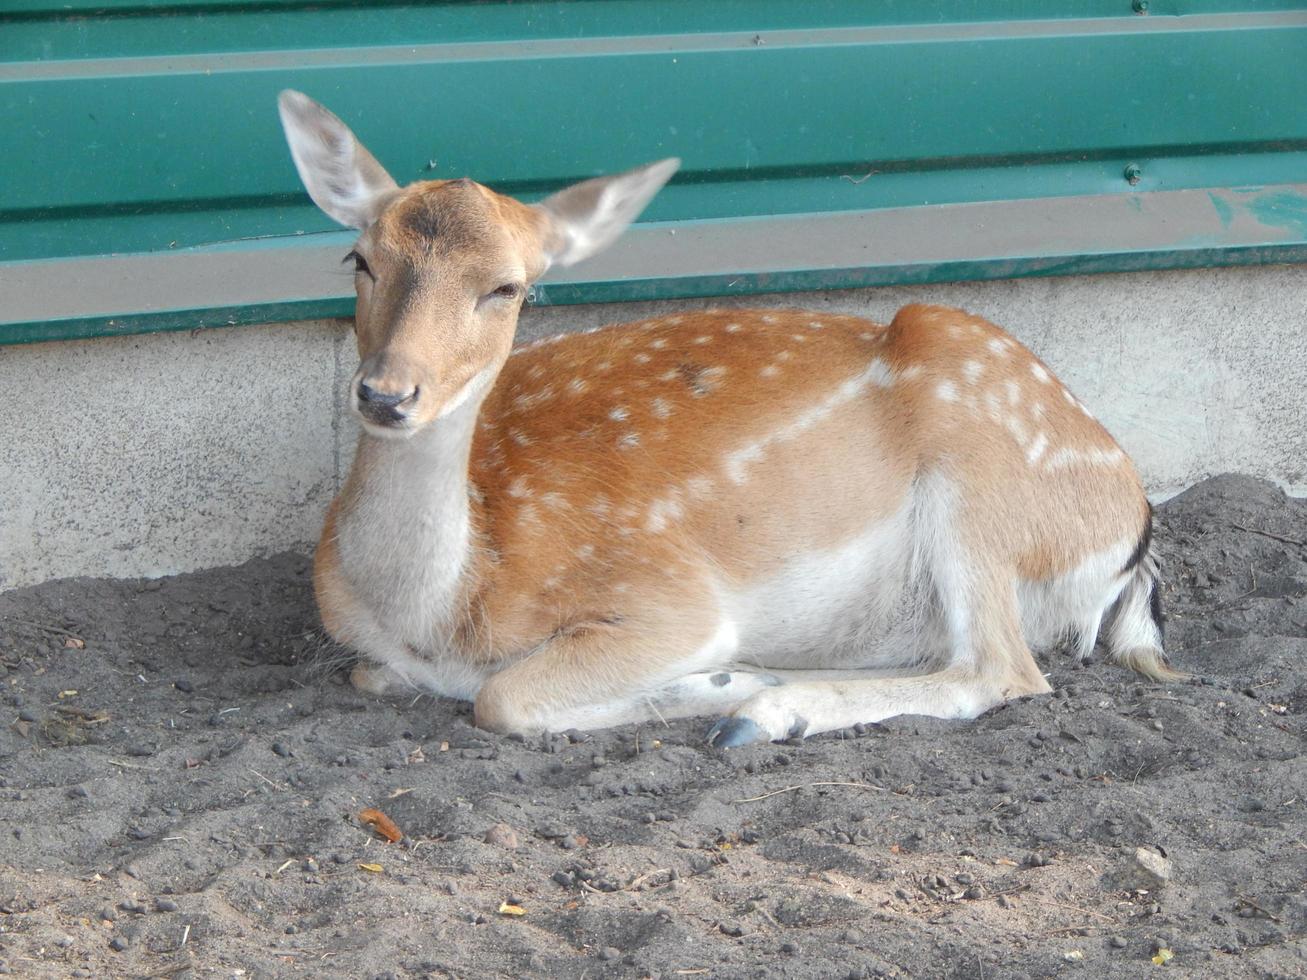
[(360, 264), (508, 290)]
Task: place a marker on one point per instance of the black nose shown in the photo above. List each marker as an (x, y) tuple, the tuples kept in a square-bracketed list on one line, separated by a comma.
[(382, 407)]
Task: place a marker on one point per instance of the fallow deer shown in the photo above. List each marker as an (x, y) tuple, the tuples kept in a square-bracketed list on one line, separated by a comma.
[(795, 521)]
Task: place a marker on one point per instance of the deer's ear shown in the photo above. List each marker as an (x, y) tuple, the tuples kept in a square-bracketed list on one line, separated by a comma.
[(341, 176), (588, 217)]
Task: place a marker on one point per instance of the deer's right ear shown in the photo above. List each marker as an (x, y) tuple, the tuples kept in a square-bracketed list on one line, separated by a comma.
[(341, 176)]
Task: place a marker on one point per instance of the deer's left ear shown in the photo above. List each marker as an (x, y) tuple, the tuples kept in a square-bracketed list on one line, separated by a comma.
[(588, 217)]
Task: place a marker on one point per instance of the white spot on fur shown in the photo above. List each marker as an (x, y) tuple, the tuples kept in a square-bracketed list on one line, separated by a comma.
[(518, 488), (585, 552), (663, 511), (604, 366), (798, 338), (619, 414), (1042, 376), (732, 328), (770, 371), (554, 500), (997, 346), (519, 437), (1086, 457), (1013, 392), (658, 344), (660, 407), (1037, 448), (629, 441), (911, 373), (577, 385), (641, 358), (738, 460), (815, 325), (702, 340), (946, 391), (699, 486), (768, 318), (972, 371), (874, 373), (784, 355)]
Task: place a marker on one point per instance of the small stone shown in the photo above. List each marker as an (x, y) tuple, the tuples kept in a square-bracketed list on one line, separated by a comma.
[(119, 943), (165, 905), (564, 878), (281, 749), (502, 835), (609, 953), (28, 715), (568, 843), (311, 866), (789, 947), (1118, 942), (183, 685), (1153, 869), (731, 929)]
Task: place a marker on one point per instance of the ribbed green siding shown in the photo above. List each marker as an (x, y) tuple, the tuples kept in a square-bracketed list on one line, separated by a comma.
[(152, 130)]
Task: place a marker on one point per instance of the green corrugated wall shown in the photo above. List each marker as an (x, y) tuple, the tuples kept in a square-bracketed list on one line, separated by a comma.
[(136, 129)]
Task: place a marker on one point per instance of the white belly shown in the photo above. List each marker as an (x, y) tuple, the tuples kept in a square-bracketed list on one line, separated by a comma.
[(849, 606)]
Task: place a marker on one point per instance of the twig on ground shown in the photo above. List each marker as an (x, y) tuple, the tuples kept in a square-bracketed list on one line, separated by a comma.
[(1270, 534), (1253, 905), (645, 877), (1076, 908), (43, 626), (791, 789)]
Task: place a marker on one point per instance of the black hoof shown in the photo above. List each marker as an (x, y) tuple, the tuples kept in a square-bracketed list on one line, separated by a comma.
[(733, 731)]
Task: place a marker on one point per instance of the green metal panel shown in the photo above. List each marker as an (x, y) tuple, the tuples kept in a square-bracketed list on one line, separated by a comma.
[(134, 128)]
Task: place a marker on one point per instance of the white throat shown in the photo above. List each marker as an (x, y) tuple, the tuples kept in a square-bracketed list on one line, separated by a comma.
[(404, 527)]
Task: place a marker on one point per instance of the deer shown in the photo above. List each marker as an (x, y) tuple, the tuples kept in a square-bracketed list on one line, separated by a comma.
[(789, 521)]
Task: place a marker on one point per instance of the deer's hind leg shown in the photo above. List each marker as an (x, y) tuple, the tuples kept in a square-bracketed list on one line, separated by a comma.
[(661, 661), (1003, 667), (972, 615)]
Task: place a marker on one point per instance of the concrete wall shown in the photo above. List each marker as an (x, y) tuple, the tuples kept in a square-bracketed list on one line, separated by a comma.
[(156, 454)]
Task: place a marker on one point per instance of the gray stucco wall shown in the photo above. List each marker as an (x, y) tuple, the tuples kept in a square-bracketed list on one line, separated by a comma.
[(171, 452)]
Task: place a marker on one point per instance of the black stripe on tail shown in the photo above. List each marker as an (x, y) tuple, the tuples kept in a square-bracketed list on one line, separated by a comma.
[(1145, 542)]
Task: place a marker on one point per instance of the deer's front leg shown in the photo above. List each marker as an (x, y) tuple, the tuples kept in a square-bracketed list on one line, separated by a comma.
[(618, 671)]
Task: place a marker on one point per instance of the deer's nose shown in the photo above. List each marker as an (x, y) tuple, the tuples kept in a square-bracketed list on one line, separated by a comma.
[(384, 407)]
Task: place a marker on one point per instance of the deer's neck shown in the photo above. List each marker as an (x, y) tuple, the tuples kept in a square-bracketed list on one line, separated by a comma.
[(405, 526)]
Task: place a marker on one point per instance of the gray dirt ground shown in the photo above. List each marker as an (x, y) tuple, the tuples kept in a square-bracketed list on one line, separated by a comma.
[(180, 797)]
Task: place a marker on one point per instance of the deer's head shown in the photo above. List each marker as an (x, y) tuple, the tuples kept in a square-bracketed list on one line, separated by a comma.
[(442, 266)]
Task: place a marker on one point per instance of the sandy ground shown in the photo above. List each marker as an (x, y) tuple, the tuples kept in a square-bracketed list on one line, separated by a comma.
[(182, 770)]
